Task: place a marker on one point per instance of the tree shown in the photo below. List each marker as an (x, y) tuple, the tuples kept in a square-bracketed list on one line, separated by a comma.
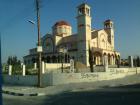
[(12, 60), (138, 61), (16, 67), (9, 60), (135, 62), (91, 62)]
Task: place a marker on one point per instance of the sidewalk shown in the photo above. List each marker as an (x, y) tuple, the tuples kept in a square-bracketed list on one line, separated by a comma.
[(51, 90)]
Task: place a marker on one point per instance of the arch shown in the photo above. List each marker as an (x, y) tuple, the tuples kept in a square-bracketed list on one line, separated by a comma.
[(51, 38), (73, 57), (97, 58), (97, 53), (116, 59), (118, 56), (59, 59), (33, 60), (43, 58), (66, 58), (112, 55), (112, 59), (104, 54), (102, 44), (109, 58), (54, 59), (48, 59)]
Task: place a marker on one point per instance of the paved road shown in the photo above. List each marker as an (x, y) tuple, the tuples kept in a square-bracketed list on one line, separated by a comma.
[(124, 95)]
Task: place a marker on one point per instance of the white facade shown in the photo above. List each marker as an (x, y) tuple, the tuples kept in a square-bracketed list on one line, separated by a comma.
[(77, 45)]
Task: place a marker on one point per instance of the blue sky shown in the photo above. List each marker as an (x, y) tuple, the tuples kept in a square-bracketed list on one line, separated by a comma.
[(18, 35)]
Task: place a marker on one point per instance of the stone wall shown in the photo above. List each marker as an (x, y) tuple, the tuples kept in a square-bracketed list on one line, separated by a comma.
[(29, 80), (53, 78)]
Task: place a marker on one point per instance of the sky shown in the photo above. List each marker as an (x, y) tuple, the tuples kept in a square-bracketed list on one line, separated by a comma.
[(18, 35)]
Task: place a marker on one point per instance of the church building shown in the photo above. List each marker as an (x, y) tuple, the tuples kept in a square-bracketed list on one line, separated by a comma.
[(62, 43)]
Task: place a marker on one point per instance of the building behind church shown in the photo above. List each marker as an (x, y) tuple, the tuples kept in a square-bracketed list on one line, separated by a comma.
[(76, 46)]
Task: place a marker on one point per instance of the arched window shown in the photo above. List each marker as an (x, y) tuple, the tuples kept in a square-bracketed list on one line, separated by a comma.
[(80, 11), (103, 44)]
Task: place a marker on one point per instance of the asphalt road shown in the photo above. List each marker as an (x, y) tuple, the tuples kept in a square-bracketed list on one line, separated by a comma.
[(124, 95)]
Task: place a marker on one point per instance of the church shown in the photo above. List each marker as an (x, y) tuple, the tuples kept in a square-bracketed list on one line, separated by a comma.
[(62, 44)]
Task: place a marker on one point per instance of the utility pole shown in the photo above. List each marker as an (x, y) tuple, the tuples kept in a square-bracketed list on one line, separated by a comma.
[(39, 46), (0, 73)]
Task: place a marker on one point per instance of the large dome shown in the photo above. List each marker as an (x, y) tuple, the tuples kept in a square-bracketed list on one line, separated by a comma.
[(62, 22)]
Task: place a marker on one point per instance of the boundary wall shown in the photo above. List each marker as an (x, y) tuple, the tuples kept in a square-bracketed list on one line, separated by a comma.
[(53, 78)]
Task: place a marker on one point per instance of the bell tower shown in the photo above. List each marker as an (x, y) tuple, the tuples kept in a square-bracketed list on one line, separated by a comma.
[(108, 26), (84, 32)]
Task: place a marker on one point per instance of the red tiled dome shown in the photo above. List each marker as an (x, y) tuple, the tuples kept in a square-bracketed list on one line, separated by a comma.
[(60, 23)]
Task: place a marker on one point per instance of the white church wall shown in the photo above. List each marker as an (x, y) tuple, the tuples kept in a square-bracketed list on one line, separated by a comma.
[(94, 42), (102, 35), (57, 40)]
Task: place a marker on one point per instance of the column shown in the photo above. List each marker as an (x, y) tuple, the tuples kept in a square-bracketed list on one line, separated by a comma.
[(111, 60), (114, 60), (71, 65), (23, 70), (99, 60), (10, 70), (131, 61), (35, 65), (106, 63), (96, 59), (43, 67), (102, 59), (108, 58)]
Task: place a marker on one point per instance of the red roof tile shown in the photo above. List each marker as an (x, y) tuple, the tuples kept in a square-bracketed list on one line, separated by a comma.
[(60, 23)]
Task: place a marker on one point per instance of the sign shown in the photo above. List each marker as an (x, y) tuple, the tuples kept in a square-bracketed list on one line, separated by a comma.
[(39, 49)]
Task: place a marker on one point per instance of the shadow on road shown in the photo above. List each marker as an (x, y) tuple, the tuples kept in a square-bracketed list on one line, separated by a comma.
[(117, 96)]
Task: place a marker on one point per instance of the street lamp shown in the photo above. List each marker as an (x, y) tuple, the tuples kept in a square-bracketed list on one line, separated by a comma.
[(39, 46), (32, 22), (39, 51)]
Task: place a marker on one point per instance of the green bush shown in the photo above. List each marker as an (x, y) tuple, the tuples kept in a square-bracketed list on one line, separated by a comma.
[(16, 70), (29, 67), (31, 72)]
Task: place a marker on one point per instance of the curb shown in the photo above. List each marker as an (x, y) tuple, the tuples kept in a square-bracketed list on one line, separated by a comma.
[(22, 94)]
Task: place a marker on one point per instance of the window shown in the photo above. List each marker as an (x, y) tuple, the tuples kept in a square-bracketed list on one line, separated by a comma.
[(103, 44), (80, 11), (87, 11)]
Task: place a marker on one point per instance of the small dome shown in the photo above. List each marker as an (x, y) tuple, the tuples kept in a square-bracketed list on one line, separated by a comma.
[(60, 23), (108, 21)]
